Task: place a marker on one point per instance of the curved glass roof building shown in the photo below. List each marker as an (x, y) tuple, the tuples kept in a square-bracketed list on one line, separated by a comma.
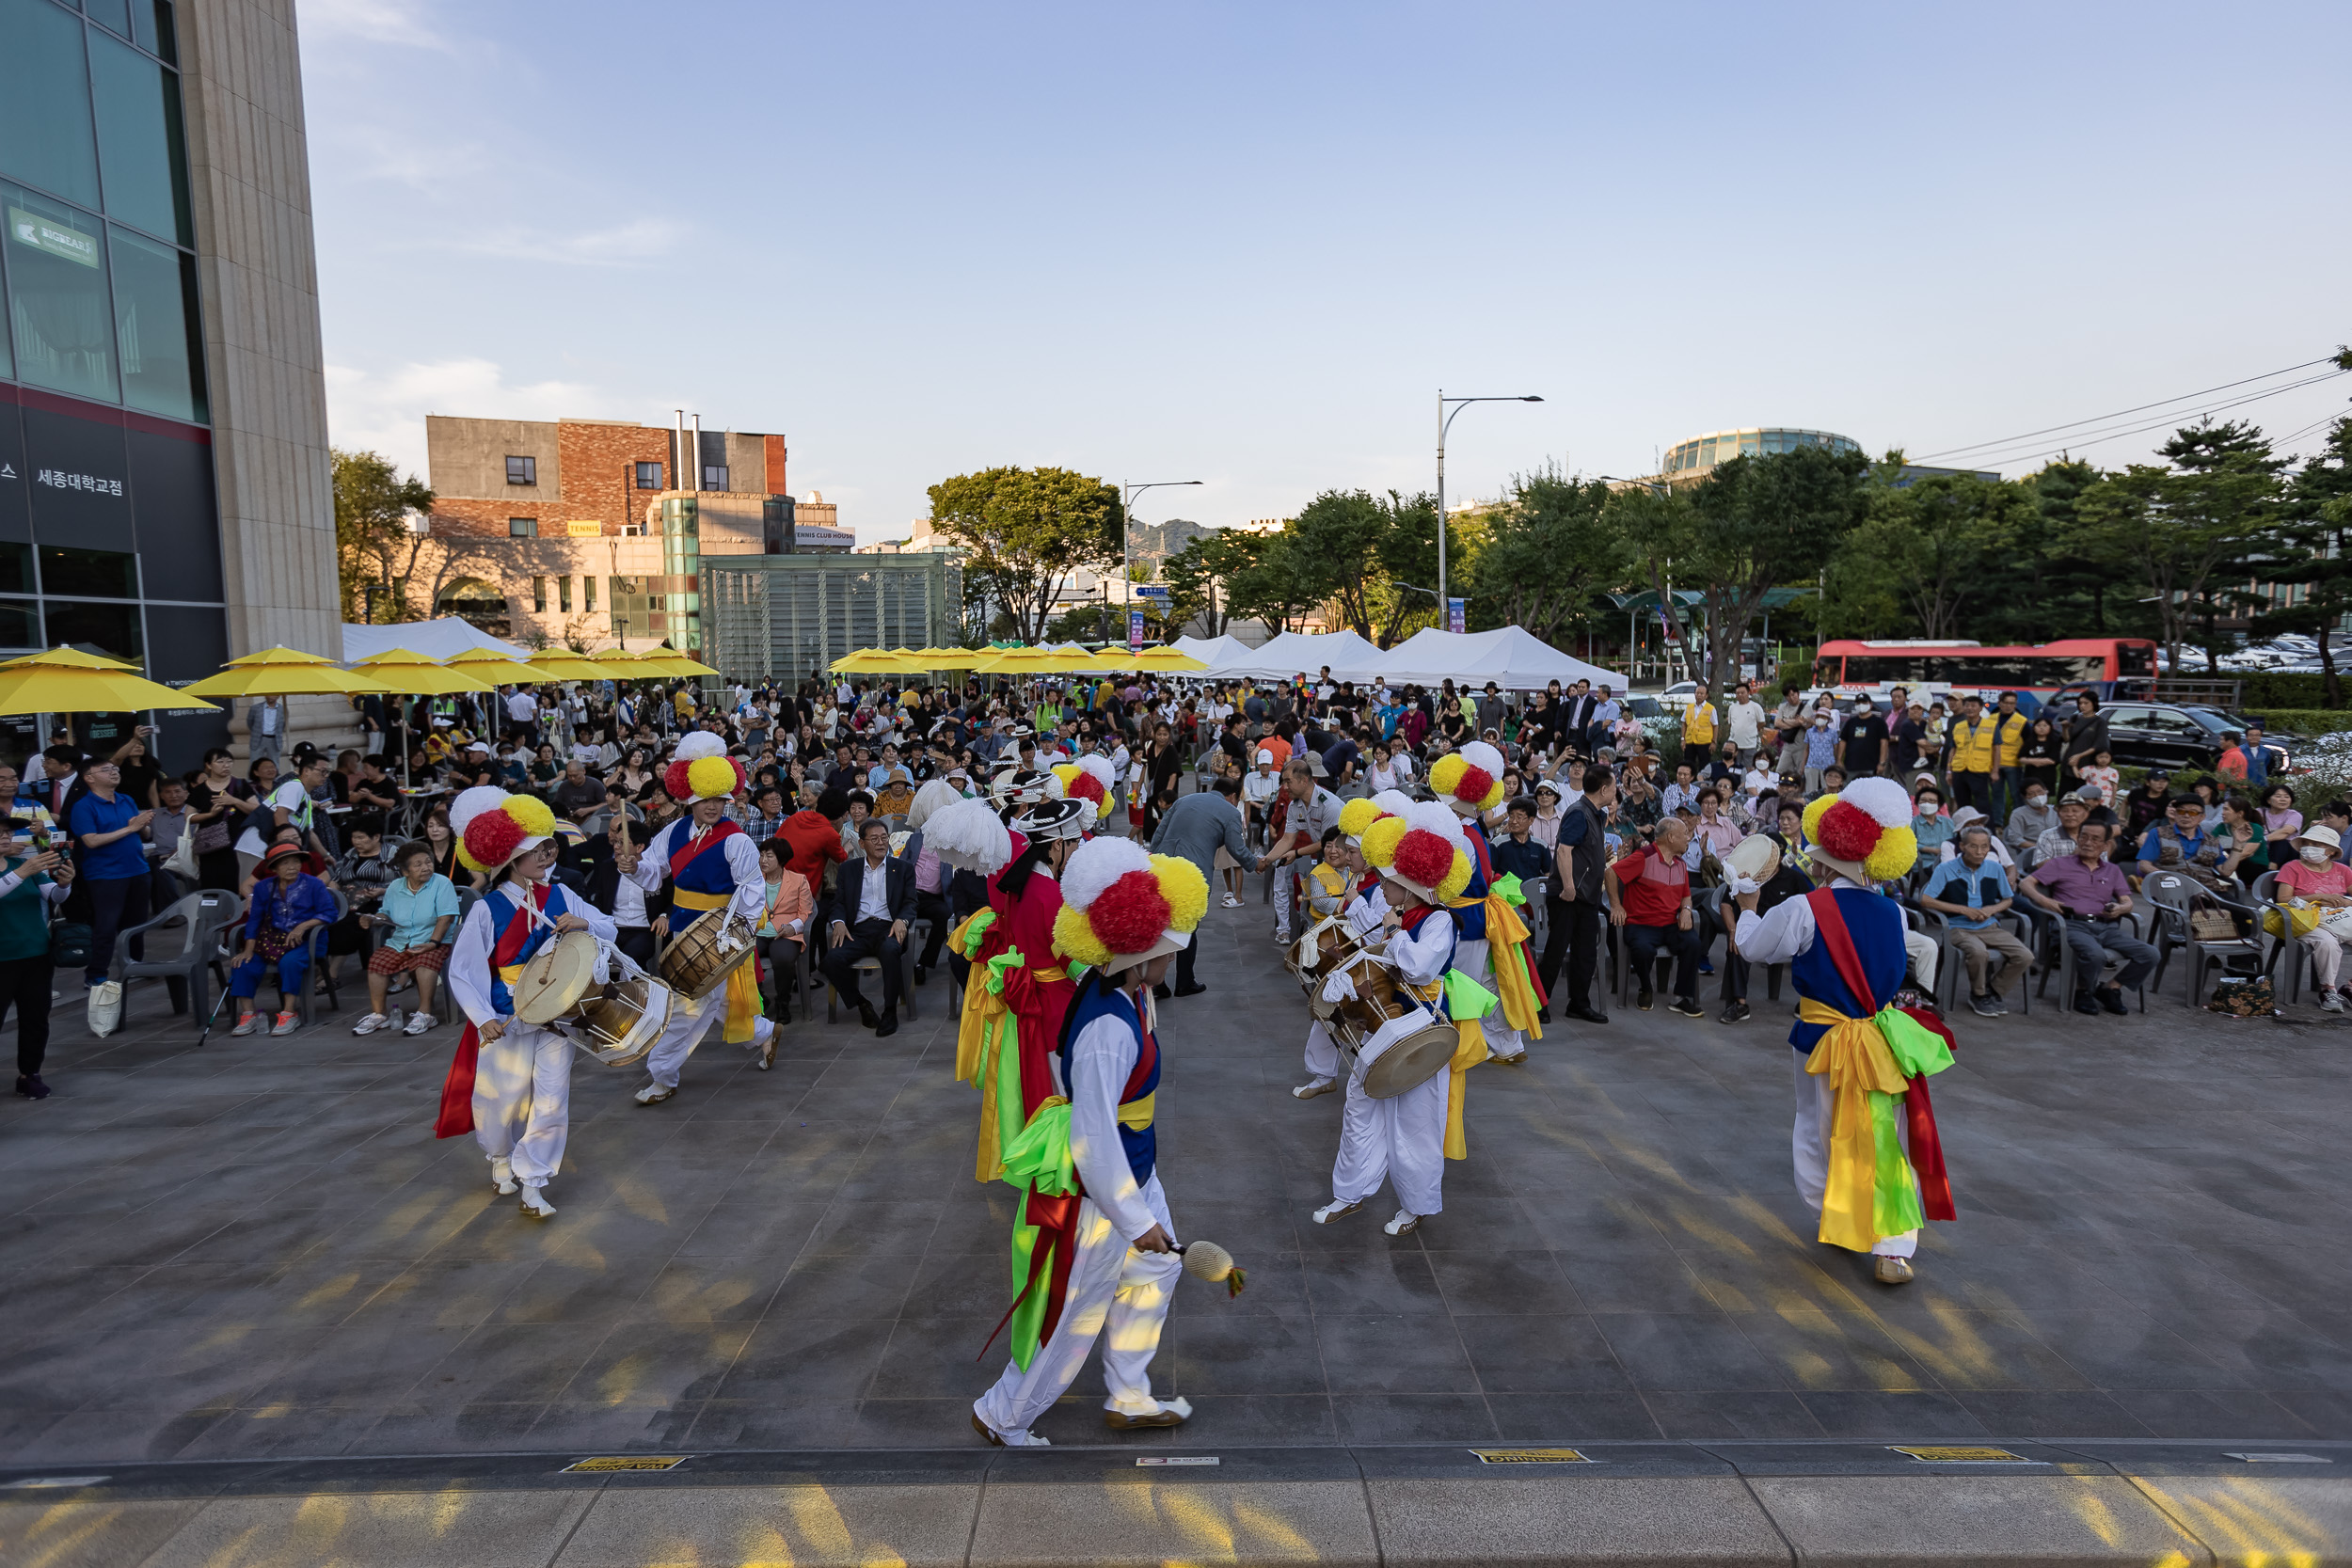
[(1688, 462)]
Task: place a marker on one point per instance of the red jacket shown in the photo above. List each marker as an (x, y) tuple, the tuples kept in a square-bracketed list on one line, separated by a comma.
[(814, 840)]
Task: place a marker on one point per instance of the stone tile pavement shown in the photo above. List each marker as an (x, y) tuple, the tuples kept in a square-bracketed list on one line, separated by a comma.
[(260, 1250)]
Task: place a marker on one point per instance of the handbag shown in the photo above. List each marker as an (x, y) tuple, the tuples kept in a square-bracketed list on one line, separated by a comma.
[(2304, 917), (2248, 997), (182, 860), (2209, 922), (69, 945)]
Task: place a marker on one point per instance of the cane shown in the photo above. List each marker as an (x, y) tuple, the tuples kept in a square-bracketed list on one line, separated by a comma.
[(218, 1003)]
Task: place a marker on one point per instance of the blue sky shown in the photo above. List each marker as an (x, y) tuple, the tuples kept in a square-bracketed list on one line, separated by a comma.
[(1246, 244)]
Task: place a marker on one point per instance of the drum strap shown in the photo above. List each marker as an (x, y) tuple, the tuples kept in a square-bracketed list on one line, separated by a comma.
[(506, 959)]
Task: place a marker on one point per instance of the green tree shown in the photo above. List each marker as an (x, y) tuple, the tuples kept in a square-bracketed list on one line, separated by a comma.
[(1334, 543), (1274, 585), (1755, 523), (1936, 541), (1029, 530), (1550, 548), (2187, 531), (1408, 554), (374, 542), (2315, 534), (1199, 578)]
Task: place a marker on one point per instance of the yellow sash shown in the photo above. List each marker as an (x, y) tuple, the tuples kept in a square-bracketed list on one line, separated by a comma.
[(1505, 929), (742, 983), (1470, 1049), (1854, 1058), (968, 1026), (1136, 1115)]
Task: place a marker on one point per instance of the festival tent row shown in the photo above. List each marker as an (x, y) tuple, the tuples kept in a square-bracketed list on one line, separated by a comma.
[(1513, 657)]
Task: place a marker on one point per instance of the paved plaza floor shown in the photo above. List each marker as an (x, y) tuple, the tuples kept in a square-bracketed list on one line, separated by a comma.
[(259, 1249)]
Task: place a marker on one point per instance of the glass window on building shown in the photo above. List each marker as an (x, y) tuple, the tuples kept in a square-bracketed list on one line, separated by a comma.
[(19, 624), (16, 569), (110, 630), (563, 594), (45, 134), (522, 527), (587, 596), (522, 470), (539, 595), (89, 574), (714, 475), (649, 476), (141, 163), (1751, 445), (156, 332), (58, 313), (152, 30)]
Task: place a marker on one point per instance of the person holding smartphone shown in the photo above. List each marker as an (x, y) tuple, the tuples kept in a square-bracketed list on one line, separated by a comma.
[(27, 889)]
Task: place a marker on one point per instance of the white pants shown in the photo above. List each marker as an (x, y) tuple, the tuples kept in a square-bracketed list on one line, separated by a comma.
[(2327, 955), (1923, 956), (1817, 1104), (1402, 1139), (1110, 1282), (523, 1099), (1477, 961), (1323, 1052), (686, 1030), (1284, 883)]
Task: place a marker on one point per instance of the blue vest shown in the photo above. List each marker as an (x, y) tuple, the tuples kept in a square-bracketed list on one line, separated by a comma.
[(1471, 919), (710, 872), (1104, 1001), (504, 912), (1876, 923)]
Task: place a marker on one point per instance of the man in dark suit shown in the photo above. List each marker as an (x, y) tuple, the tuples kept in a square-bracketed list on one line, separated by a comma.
[(1576, 728), (873, 901)]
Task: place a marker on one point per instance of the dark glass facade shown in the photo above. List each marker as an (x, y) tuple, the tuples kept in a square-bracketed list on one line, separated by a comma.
[(109, 523)]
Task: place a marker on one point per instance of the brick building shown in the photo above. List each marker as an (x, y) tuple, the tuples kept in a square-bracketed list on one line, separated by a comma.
[(587, 530)]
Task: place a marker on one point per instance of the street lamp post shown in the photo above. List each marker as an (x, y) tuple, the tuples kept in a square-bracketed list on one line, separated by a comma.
[(1445, 422), (1126, 533)]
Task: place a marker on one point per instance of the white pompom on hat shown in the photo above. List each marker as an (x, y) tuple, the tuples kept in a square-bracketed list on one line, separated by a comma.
[(471, 803), (701, 743), (1106, 859), (1393, 802), (1886, 799), (1483, 756)]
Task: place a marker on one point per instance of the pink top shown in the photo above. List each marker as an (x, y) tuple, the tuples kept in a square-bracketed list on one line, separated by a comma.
[(2334, 877)]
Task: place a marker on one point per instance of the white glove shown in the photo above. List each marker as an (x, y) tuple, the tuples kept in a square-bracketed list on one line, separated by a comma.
[(1339, 987), (1743, 884)]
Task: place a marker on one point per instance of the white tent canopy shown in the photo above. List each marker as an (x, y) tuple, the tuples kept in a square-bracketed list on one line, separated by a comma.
[(1515, 659), (1306, 653), (438, 639), (1221, 654)]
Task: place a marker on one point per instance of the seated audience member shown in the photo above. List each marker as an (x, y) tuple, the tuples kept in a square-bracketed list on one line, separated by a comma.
[(2317, 876), (1649, 903), (1971, 891), (288, 904), (2090, 896), (418, 914)]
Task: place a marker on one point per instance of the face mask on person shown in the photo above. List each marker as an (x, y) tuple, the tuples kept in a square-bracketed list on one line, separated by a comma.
[(2036, 802), (2315, 855)]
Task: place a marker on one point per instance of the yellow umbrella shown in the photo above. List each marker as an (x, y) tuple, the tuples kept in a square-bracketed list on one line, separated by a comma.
[(872, 662), (561, 664), (1165, 659), (670, 661), (1025, 661), (413, 674), (66, 680), (67, 654), (489, 664), (284, 673)]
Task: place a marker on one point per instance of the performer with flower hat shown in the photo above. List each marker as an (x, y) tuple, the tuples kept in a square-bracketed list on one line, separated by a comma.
[(710, 863), (511, 1083), (1425, 864), (1366, 912), (1865, 1145), (1494, 938), (1093, 1246)]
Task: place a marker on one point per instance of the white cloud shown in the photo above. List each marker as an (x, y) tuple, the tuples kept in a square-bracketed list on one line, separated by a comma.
[(383, 410), (645, 239), (393, 22)]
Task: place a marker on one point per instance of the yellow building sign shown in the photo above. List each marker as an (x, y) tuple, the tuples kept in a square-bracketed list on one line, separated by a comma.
[(583, 531)]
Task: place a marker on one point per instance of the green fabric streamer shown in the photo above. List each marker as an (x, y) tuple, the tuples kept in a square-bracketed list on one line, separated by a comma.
[(975, 931), (1506, 887), (1895, 1196), (1465, 998), (1039, 1159), (1916, 1048)]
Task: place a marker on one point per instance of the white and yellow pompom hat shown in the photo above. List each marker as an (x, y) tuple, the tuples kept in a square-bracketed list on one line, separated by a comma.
[(1864, 831), (493, 827), (1422, 849), (702, 770), (1091, 779), (1122, 905), (1468, 780)]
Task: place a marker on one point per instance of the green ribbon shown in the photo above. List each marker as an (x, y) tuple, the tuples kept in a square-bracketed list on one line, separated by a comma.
[(976, 930), (1465, 998), (1010, 958), (1916, 1048), (1506, 887), (1895, 1195), (1039, 1159), (1000, 1053)]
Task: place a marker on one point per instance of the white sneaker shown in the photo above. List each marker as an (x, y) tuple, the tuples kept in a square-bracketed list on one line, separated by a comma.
[(287, 1023), (502, 1175), (1231, 902), (654, 1094), (1313, 1087), (535, 1204), (420, 1022), (1404, 1222), (2329, 1001), (247, 1024), (371, 1023), (1335, 1210), (1023, 1438)]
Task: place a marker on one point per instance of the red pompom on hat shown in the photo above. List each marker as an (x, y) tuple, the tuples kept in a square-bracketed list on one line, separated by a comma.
[(493, 837), (1085, 786), (673, 781), (1130, 913), (1422, 857), (1474, 784), (1847, 833)]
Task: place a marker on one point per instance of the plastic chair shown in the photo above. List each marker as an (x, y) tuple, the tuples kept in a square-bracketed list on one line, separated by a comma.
[(2265, 900), (2172, 896), (200, 916), (2061, 961)]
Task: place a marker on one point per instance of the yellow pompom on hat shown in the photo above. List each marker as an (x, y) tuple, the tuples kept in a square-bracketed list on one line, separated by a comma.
[(1864, 831), (1356, 815), (1468, 780), (702, 770), (494, 827)]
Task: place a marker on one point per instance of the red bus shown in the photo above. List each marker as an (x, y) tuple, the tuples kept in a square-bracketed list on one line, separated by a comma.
[(2110, 666)]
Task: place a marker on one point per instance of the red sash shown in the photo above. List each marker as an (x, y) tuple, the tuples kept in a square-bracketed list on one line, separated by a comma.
[(690, 850), (1927, 1150), (457, 1117)]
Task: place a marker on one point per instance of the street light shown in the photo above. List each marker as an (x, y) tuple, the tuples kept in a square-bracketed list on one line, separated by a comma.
[(1126, 534), (1445, 421)]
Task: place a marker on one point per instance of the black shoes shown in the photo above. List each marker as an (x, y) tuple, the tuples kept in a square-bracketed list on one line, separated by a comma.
[(922, 975), (29, 1085), (867, 1015), (2111, 998), (1643, 999), (1193, 990), (1588, 1014), (1987, 1006), (1687, 1005), (1735, 1012), (889, 1024), (2086, 1003), (1161, 991)]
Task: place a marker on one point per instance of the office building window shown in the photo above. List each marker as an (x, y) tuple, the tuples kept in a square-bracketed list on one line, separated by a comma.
[(588, 596), (563, 594), (522, 527), (714, 475), (539, 595), (649, 476), (522, 470)]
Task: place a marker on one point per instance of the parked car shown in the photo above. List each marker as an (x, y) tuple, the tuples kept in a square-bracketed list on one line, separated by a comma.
[(2174, 735)]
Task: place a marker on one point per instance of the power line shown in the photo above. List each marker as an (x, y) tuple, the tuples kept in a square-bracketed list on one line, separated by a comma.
[(2081, 439), (2099, 418)]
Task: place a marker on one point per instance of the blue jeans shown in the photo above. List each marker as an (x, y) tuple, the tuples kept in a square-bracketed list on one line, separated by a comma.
[(1646, 944), (2096, 941)]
